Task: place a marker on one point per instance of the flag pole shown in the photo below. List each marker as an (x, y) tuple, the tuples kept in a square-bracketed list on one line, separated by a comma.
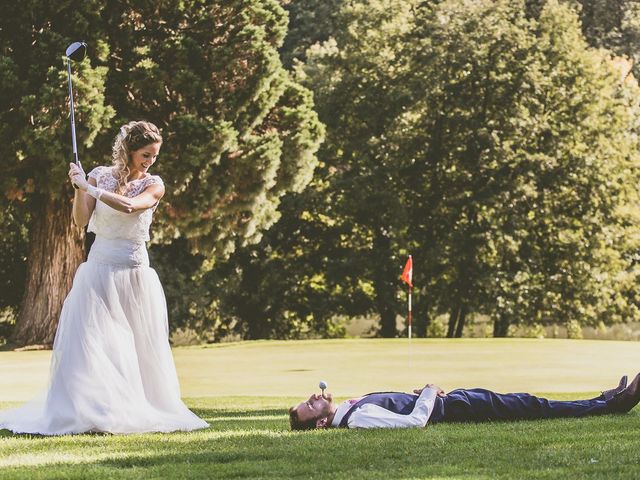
[(407, 277), (410, 290)]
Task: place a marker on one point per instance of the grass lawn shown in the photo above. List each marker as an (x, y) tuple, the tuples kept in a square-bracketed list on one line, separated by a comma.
[(243, 391)]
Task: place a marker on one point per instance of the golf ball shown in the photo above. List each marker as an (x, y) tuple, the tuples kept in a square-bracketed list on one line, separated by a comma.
[(322, 385)]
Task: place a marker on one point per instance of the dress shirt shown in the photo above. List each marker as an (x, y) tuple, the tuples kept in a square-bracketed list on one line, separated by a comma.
[(375, 416)]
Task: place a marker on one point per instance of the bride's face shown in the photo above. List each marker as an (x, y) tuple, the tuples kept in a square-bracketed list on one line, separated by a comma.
[(143, 158)]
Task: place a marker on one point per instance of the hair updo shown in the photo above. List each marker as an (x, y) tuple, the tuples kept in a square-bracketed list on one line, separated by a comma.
[(132, 136)]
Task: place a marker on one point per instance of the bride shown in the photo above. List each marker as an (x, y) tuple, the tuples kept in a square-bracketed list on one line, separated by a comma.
[(112, 369)]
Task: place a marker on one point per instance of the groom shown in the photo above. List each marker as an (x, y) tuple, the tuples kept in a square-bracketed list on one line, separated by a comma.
[(431, 404)]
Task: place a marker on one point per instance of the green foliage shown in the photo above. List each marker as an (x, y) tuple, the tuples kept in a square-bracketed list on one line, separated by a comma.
[(310, 22), (574, 330), (514, 142), (354, 78), (35, 133), (294, 283), (239, 132), (190, 304), (13, 263), (486, 138), (535, 330), (614, 25), (13, 245), (34, 128), (493, 144), (316, 262), (436, 328)]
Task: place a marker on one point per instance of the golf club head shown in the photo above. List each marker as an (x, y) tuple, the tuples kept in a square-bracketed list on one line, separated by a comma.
[(76, 51)]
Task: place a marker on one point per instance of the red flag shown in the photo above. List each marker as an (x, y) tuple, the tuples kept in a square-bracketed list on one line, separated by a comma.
[(407, 273)]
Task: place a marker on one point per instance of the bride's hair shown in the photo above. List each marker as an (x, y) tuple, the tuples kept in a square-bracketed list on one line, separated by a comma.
[(132, 136)]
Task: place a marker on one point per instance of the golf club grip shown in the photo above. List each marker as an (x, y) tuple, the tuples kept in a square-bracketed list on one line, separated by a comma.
[(74, 159)]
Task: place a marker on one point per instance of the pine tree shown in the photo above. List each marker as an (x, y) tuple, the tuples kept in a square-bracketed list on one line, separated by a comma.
[(239, 133), (35, 145)]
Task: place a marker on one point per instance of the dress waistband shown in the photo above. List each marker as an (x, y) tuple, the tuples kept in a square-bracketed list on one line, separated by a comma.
[(119, 253)]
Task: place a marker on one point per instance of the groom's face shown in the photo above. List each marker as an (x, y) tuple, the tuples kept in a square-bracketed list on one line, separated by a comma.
[(315, 407)]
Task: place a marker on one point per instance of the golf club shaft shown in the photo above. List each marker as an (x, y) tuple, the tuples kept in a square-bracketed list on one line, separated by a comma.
[(73, 117)]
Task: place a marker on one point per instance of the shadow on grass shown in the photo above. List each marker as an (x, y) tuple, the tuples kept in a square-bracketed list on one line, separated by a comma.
[(257, 443), (35, 436), (12, 347), (264, 418), (234, 413)]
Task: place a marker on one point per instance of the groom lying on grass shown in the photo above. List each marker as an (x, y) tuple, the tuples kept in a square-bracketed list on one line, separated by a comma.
[(431, 404)]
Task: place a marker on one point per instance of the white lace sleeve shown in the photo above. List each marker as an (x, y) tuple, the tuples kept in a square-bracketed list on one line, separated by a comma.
[(104, 178), (153, 180), (137, 187), (95, 173)]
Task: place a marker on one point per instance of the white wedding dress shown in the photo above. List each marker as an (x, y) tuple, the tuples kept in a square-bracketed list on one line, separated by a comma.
[(112, 368)]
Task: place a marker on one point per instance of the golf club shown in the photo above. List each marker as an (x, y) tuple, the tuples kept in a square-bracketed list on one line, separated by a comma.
[(76, 52)]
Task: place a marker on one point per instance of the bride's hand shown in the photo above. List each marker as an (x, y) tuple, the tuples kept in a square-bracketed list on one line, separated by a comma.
[(77, 176)]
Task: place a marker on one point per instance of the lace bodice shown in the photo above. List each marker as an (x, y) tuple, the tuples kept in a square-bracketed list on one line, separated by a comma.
[(109, 223)]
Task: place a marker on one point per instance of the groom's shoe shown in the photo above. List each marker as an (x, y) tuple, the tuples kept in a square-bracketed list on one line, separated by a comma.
[(609, 394), (628, 398)]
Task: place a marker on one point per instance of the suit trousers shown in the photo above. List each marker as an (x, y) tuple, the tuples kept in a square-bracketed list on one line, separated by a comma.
[(480, 405)]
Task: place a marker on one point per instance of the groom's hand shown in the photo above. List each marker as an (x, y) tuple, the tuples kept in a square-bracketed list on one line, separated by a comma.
[(440, 392)]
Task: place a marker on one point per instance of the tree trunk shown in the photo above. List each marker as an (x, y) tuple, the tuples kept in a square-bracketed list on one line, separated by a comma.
[(385, 285), (56, 248), (422, 323), (453, 320), (384, 304), (461, 319), (249, 305), (500, 327)]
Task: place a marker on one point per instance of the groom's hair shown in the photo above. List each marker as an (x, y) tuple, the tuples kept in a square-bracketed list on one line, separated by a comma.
[(296, 424)]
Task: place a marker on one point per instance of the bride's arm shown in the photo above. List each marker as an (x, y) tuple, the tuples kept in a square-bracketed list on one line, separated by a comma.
[(149, 197), (83, 205)]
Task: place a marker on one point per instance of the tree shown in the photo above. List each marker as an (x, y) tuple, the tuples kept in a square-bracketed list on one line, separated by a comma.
[(479, 138), (354, 77), (239, 133), (13, 243), (34, 145), (310, 22), (614, 25), (301, 276), (316, 262), (510, 145)]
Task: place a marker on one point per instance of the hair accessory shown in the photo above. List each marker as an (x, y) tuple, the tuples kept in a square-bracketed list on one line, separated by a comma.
[(123, 131)]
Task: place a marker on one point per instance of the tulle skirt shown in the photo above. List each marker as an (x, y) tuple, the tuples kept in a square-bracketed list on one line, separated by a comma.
[(112, 368)]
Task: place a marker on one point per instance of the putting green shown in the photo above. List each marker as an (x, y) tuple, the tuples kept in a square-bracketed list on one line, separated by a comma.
[(356, 366)]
